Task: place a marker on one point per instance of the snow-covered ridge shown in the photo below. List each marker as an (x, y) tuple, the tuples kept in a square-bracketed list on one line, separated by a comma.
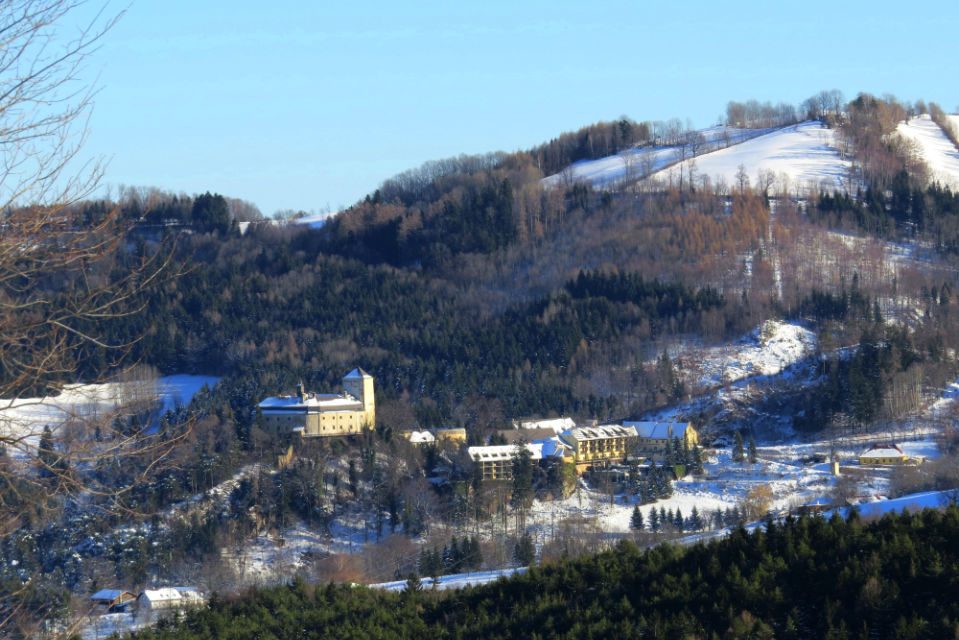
[(934, 147), (803, 157)]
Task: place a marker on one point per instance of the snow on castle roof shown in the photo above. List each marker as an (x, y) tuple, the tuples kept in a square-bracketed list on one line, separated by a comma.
[(356, 373)]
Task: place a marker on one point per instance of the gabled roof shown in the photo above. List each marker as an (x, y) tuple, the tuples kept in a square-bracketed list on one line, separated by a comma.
[(110, 594), (658, 430), (883, 451), (356, 373), (160, 595), (558, 425)]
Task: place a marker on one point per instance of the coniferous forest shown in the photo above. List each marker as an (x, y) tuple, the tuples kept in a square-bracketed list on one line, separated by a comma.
[(802, 578)]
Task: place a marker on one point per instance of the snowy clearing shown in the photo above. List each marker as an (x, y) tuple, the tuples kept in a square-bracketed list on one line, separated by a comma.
[(768, 350), (22, 419), (803, 157), (640, 162), (934, 147), (454, 580)]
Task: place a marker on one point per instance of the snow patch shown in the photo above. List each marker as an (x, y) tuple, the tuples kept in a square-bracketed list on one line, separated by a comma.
[(934, 147), (803, 157)]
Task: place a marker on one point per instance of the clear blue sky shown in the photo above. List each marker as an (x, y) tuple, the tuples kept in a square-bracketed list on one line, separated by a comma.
[(310, 105)]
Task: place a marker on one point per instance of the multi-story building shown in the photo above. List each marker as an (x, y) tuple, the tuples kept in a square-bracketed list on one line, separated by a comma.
[(652, 437), (324, 414), (496, 461), (601, 444)]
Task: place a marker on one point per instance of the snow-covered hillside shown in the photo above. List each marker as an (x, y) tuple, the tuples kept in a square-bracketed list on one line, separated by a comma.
[(768, 350), (934, 147), (803, 157), (22, 419), (637, 163)]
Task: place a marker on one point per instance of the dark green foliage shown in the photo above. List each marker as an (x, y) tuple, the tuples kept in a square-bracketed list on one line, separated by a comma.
[(524, 553), (636, 520), (805, 578), (739, 454)]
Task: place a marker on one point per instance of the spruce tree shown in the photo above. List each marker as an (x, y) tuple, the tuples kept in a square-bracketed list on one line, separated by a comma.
[(753, 456), (636, 521), (697, 461), (653, 520), (738, 453), (525, 552)]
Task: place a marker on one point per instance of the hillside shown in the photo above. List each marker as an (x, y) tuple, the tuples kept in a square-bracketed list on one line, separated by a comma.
[(477, 291)]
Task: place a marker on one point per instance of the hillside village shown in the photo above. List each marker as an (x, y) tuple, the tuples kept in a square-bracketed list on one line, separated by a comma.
[(810, 368)]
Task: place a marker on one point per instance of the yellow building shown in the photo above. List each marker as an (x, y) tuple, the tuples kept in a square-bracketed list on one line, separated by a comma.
[(605, 443), (883, 454), (652, 437), (326, 414), (455, 435)]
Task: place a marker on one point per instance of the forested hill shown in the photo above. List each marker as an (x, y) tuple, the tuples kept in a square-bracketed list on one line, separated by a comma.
[(473, 294), (805, 578)]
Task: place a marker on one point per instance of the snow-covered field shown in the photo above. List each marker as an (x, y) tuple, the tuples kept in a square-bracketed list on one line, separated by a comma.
[(934, 147), (22, 419), (803, 157), (637, 163)]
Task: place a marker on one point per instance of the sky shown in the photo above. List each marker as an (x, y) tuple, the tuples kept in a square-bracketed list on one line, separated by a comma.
[(311, 105)]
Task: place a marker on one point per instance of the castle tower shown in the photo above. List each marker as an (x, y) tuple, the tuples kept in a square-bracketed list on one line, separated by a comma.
[(359, 384)]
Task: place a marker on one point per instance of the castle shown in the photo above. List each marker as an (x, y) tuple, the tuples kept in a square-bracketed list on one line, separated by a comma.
[(324, 414)]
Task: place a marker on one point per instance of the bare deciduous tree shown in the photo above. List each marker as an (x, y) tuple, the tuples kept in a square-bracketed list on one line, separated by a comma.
[(58, 263)]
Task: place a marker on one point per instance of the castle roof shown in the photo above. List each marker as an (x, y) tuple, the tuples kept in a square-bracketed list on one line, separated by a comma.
[(314, 401), (356, 373)]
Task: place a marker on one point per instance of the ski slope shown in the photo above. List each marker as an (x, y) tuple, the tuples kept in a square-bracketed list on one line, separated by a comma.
[(936, 149), (803, 157), (639, 162)]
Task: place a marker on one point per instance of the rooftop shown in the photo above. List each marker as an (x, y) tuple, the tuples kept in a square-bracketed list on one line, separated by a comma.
[(601, 432), (658, 430)]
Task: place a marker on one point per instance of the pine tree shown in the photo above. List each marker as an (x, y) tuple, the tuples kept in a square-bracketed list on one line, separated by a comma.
[(695, 521), (636, 521), (753, 456), (738, 453), (50, 462), (697, 461), (653, 520), (525, 552), (679, 521)]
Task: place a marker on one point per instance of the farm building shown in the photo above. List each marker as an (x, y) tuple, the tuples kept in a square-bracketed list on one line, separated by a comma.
[(112, 599), (883, 454)]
